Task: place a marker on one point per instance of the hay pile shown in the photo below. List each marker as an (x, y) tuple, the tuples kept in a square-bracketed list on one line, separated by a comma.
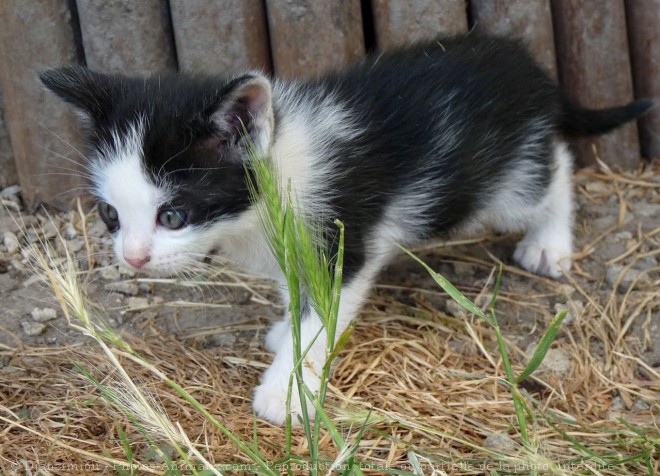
[(429, 377)]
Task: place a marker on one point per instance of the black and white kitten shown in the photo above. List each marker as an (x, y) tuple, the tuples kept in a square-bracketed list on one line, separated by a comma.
[(435, 139)]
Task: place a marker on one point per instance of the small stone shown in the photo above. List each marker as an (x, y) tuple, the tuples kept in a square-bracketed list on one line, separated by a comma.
[(109, 273), (455, 309), (8, 223), (43, 315), (646, 263), (75, 245), (617, 404), (49, 230), (630, 276), (33, 236), (597, 187), (145, 287), (32, 328), (70, 231), (124, 271), (555, 360), (500, 441), (566, 289), (11, 242), (623, 236), (10, 192), (483, 300), (128, 289), (7, 283), (137, 302), (640, 405), (574, 308), (97, 229)]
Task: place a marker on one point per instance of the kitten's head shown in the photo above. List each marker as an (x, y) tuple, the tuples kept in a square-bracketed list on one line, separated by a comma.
[(167, 158)]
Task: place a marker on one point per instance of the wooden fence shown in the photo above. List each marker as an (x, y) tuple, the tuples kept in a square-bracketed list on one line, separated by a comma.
[(604, 52)]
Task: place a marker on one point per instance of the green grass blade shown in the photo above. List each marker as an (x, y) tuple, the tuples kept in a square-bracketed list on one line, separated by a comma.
[(543, 347), (450, 289)]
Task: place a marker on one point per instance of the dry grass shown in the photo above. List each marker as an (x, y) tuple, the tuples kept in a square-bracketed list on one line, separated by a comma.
[(434, 384)]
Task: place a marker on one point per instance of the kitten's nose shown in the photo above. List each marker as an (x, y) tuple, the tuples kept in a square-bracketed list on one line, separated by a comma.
[(138, 262)]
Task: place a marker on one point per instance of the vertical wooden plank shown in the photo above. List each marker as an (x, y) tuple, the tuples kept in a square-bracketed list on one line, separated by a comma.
[(594, 68), (8, 174), (35, 36), (224, 36), (398, 22), (310, 37), (530, 20), (126, 36), (644, 36)]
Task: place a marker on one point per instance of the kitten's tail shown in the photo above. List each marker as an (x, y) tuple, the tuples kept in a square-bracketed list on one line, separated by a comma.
[(578, 121)]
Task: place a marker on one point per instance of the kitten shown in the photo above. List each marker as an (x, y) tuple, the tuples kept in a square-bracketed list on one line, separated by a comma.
[(431, 140)]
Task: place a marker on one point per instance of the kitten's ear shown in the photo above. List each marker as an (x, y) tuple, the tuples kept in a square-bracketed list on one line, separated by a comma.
[(88, 92), (247, 107)]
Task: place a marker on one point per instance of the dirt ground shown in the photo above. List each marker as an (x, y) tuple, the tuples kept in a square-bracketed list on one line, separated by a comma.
[(617, 235), (428, 371)]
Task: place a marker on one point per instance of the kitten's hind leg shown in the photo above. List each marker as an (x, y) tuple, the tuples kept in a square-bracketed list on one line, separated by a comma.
[(548, 243)]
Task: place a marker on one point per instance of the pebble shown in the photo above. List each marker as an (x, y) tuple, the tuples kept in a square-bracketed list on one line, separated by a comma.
[(75, 245), (555, 360), (640, 405), (32, 328), (10, 192), (128, 289), (109, 273), (566, 289), (137, 302), (483, 300), (49, 230), (97, 229), (11, 242), (573, 309), (43, 315), (627, 279), (455, 309), (9, 223), (623, 236), (500, 441), (70, 231)]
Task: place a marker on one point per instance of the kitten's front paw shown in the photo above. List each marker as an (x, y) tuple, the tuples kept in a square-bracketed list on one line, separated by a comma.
[(543, 260), (276, 335), (270, 397), (270, 404)]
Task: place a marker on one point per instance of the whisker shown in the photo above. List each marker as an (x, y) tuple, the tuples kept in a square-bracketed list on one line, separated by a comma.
[(172, 158), (41, 124)]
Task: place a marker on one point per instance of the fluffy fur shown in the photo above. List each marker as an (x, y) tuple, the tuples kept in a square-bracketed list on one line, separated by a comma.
[(434, 139)]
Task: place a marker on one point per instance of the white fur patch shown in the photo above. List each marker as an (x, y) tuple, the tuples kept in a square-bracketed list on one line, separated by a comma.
[(548, 243)]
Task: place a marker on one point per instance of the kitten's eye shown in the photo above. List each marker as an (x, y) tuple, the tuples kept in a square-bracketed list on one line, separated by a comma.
[(109, 216), (173, 218)]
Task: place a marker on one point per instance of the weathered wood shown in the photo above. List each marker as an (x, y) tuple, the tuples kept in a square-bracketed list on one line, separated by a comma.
[(8, 174), (35, 36), (644, 36), (127, 36), (530, 20), (223, 36), (310, 37), (400, 22), (594, 67)]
